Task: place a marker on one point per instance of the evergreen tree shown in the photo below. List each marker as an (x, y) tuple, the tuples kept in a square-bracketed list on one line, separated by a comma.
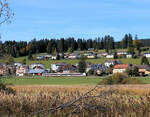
[(135, 71), (137, 44), (82, 65), (57, 57), (49, 47), (70, 50), (144, 61), (30, 57), (80, 45), (115, 55), (131, 50), (24, 61), (55, 51), (61, 45), (10, 60), (125, 41), (130, 41)]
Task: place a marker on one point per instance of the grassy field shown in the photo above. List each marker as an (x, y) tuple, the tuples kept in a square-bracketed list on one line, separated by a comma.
[(53, 81), (59, 80)]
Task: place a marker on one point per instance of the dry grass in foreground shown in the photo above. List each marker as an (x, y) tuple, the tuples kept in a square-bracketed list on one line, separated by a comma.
[(104, 101)]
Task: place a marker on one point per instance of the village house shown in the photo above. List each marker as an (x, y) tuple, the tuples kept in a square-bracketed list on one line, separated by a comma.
[(7, 70), (112, 62), (129, 56), (38, 72), (121, 53), (54, 57), (88, 66), (3, 70), (36, 66), (73, 56), (104, 54), (36, 69), (143, 69), (48, 57), (91, 56), (17, 65), (40, 57), (55, 67), (85, 54), (91, 49), (99, 55), (22, 70), (99, 68), (147, 55), (120, 68), (110, 56), (67, 68)]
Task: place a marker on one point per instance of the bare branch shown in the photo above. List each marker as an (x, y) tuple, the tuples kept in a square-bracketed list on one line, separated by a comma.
[(5, 13)]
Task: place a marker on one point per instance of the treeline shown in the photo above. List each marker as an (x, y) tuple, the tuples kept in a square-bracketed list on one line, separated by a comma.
[(53, 46)]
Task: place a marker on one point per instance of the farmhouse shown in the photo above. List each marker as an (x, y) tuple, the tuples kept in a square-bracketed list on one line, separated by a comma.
[(36, 66), (73, 56), (121, 53), (129, 56), (40, 57), (110, 56), (104, 54), (91, 49), (144, 69), (3, 70), (7, 69), (56, 66), (67, 68), (120, 68), (112, 62), (48, 57), (88, 66), (38, 72), (22, 70), (91, 56), (17, 65), (54, 57), (147, 55)]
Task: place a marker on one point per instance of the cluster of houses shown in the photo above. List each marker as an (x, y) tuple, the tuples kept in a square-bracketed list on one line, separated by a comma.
[(64, 69), (89, 55)]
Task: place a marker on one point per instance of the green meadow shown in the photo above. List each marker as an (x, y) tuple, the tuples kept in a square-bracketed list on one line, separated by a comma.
[(52, 81), (47, 63), (89, 80)]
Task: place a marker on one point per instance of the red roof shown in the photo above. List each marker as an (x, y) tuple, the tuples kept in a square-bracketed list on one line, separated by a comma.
[(121, 66)]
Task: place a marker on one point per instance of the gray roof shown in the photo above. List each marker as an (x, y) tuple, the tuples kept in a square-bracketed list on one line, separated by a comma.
[(144, 67), (35, 71)]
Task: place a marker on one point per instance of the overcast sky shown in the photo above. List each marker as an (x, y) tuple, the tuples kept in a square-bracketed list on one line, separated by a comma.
[(77, 18)]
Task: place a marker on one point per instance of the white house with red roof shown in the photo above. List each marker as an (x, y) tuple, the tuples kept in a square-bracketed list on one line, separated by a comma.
[(120, 68)]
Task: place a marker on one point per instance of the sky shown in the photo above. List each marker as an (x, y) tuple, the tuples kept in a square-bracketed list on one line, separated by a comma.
[(77, 18)]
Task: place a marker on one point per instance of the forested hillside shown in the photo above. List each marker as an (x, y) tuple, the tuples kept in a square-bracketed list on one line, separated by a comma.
[(53, 46)]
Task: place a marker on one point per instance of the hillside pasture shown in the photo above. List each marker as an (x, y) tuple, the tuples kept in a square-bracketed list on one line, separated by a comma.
[(47, 63)]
